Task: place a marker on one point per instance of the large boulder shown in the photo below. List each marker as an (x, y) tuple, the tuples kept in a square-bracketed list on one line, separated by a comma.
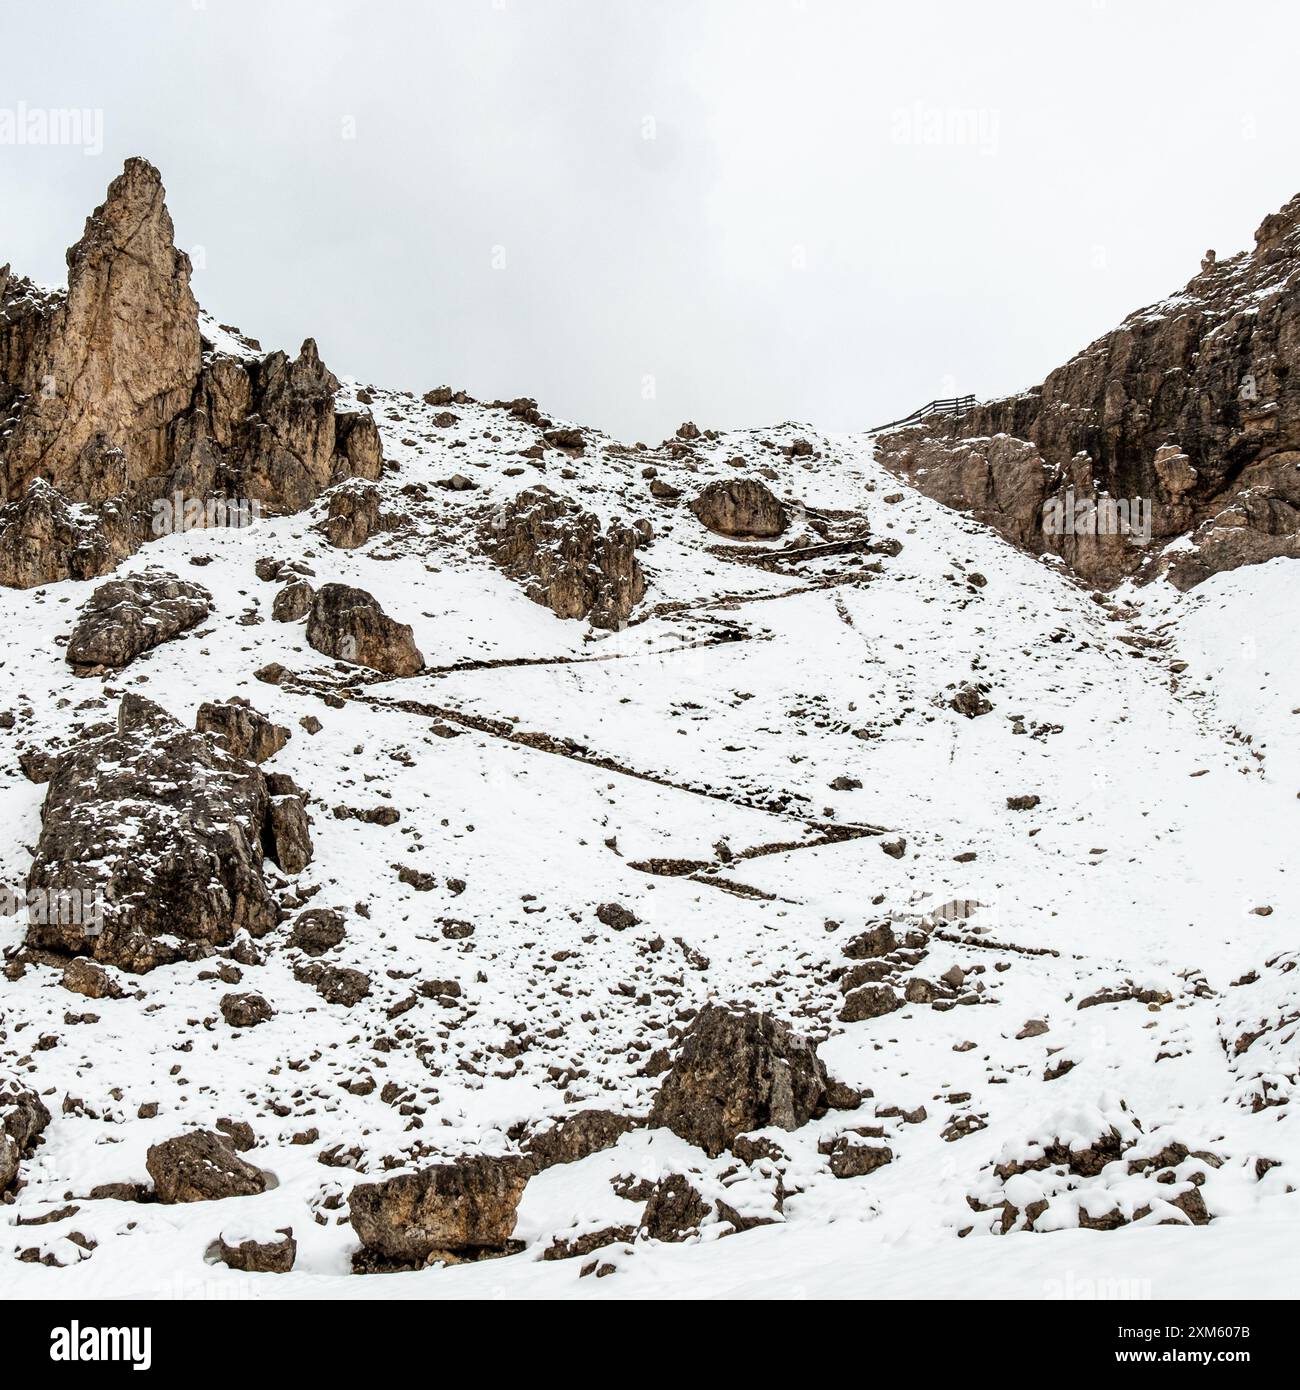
[(125, 617), (158, 836), (562, 558), (737, 1071), (743, 508), (201, 1167), (23, 1118), (349, 625), (452, 1211)]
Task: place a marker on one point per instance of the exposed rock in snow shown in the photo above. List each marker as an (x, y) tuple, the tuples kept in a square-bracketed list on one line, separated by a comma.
[(242, 731), (156, 834), (125, 617), (201, 1167), (353, 515), (274, 1256), (738, 1071), (560, 555), (1184, 406), (349, 624), (23, 1118), (45, 538), (451, 1211), (743, 508), (293, 602)]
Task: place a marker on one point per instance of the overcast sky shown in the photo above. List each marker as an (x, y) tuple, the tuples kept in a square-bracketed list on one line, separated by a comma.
[(642, 211)]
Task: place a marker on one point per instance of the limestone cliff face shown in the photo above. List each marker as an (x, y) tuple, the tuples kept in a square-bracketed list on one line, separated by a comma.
[(1190, 404), (110, 397), (116, 361), (268, 431)]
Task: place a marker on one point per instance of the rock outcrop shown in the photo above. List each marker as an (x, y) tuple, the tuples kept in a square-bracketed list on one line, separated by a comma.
[(349, 625), (23, 1118), (125, 617), (244, 732), (451, 1211), (1185, 420), (268, 431), (181, 872), (1095, 1169), (45, 538), (353, 515), (201, 1167), (562, 558), (738, 1071), (742, 508), (113, 401), (115, 360)]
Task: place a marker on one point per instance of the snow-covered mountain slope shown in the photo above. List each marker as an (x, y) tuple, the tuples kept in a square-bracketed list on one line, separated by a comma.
[(736, 767)]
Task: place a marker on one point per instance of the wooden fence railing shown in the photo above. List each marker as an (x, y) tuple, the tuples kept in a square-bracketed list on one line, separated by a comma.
[(957, 405)]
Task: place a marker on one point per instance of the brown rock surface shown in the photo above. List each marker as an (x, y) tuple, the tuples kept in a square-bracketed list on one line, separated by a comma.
[(349, 624), (293, 601), (45, 538), (259, 1256), (1188, 404), (183, 870), (242, 731), (125, 617), (871, 1001), (558, 552), (743, 508), (353, 515), (117, 358), (201, 1167), (674, 1210), (114, 400), (23, 1118), (463, 1209), (737, 1071), (577, 1137)]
